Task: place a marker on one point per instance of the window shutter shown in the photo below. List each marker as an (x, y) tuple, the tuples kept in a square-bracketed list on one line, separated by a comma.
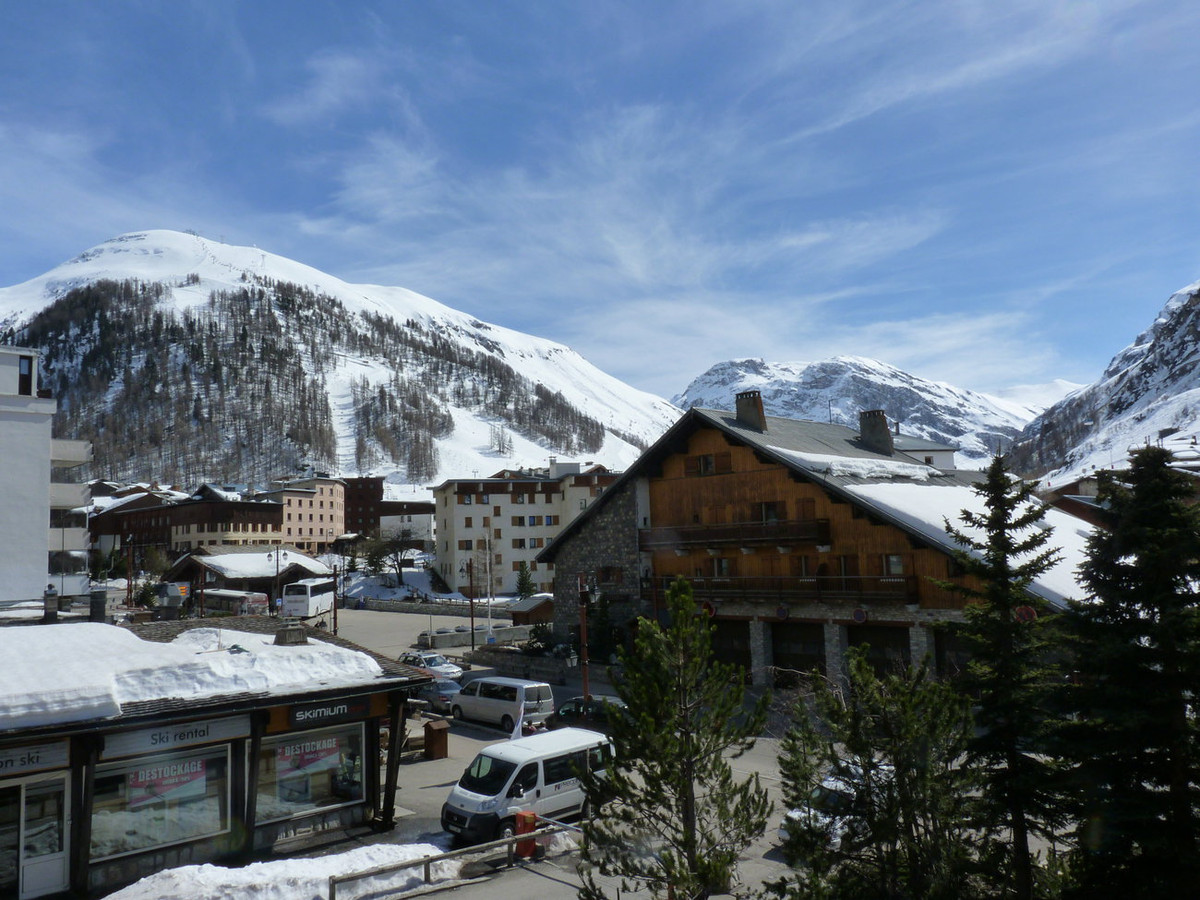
[(691, 465)]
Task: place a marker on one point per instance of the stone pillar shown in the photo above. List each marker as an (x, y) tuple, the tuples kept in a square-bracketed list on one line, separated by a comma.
[(836, 642), (920, 643), (761, 661)]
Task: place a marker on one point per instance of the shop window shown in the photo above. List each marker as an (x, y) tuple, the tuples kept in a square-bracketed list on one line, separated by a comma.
[(154, 801), (313, 770)]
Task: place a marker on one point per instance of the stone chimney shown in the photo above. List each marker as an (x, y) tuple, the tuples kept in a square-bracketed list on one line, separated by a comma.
[(750, 410), (873, 431)]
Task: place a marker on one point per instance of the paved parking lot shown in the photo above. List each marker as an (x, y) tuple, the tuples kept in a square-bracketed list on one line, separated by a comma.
[(424, 784)]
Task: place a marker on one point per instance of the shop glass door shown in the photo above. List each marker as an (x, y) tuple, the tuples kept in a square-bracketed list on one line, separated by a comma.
[(10, 839), (43, 860)]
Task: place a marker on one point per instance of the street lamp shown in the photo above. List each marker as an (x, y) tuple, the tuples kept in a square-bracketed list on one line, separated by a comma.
[(467, 568), (275, 555)]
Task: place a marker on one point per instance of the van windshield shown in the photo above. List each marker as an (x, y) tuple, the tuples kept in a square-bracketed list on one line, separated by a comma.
[(486, 775)]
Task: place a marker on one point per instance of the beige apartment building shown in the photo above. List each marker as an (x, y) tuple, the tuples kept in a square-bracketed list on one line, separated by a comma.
[(487, 527), (314, 512)]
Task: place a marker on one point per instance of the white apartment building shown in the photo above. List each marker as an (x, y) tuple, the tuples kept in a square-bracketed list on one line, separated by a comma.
[(487, 527), (43, 534)]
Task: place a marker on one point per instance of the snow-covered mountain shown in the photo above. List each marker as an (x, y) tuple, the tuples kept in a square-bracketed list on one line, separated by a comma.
[(185, 359), (837, 389), (1149, 393)]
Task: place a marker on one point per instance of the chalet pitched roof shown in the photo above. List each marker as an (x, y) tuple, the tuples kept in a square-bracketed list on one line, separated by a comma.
[(921, 498)]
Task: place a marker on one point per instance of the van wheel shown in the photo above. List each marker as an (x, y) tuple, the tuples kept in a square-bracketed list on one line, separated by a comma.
[(506, 829), (456, 711), (507, 724)]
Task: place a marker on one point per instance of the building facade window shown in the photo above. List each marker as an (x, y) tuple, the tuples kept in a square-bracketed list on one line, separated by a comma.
[(313, 770), (155, 801)]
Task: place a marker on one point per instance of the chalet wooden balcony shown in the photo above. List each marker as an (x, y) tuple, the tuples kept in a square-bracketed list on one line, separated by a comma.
[(806, 589), (790, 531)]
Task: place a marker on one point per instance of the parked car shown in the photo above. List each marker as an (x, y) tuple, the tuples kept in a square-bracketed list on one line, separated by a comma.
[(439, 694), (581, 712), (834, 810), (502, 701), (433, 661)]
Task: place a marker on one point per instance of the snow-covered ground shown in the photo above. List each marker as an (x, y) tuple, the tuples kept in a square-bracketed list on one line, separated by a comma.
[(296, 879)]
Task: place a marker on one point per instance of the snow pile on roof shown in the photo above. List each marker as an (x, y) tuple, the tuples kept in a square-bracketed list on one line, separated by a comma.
[(260, 565), (860, 467), (296, 879), (72, 673), (927, 508)]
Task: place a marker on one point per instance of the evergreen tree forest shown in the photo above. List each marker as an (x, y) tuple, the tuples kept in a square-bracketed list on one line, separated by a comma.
[(238, 388)]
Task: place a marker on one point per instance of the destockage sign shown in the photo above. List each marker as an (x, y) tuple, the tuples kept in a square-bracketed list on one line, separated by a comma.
[(169, 782)]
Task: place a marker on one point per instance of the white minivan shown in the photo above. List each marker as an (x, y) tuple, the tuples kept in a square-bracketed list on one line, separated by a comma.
[(502, 701), (536, 774)]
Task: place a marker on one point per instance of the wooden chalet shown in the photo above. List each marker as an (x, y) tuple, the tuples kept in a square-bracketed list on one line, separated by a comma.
[(800, 539)]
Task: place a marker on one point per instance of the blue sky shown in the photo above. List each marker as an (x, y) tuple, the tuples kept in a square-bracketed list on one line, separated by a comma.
[(981, 193)]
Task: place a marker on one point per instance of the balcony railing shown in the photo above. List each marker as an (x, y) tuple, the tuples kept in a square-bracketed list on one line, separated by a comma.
[(789, 531), (806, 589)]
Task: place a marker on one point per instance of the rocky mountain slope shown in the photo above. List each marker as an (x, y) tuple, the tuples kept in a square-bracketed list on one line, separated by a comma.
[(1149, 393), (184, 359), (837, 389)]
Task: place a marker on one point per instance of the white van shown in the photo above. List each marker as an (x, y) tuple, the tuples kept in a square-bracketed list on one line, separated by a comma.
[(501, 701), (535, 774)]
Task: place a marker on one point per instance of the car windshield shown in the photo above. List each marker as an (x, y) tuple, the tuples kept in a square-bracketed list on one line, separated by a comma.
[(486, 775), (435, 659), (827, 800)]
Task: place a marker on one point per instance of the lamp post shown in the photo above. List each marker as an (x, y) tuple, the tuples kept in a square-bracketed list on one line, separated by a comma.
[(276, 554), (468, 569), (585, 595)]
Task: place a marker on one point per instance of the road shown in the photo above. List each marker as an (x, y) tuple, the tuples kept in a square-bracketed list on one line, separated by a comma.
[(424, 784)]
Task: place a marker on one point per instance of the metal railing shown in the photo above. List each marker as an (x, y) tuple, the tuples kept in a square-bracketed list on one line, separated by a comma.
[(805, 531), (426, 862), (806, 589)]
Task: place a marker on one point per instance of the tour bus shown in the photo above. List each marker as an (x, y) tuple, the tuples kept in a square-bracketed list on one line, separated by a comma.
[(536, 774), (237, 603), (309, 597)]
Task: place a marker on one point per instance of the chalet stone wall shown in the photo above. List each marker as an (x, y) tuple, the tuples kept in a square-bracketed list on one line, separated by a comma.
[(608, 542)]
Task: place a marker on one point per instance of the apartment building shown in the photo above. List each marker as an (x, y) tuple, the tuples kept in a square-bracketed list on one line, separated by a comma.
[(314, 511), (488, 527), (43, 539)]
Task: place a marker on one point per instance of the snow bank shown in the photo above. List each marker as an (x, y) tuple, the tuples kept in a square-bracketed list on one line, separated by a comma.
[(71, 673), (295, 879)]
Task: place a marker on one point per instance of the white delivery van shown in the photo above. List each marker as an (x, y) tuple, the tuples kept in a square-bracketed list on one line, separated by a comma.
[(500, 701), (536, 774), (309, 597)]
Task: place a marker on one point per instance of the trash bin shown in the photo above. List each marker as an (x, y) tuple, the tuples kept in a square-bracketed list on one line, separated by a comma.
[(98, 605), (437, 739)]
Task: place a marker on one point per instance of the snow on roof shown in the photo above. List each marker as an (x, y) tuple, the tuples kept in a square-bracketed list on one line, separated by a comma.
[(73, 673), (860, 467), (257, 565), (927, 507)]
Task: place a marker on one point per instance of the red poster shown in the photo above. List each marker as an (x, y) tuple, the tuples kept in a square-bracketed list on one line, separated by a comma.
[(168, 782), (307, 757)]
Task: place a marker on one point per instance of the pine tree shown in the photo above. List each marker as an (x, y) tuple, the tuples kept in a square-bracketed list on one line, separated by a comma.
[(525, 585), (1133, 738), (894, 743), (1010, 674), (676, 818)]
